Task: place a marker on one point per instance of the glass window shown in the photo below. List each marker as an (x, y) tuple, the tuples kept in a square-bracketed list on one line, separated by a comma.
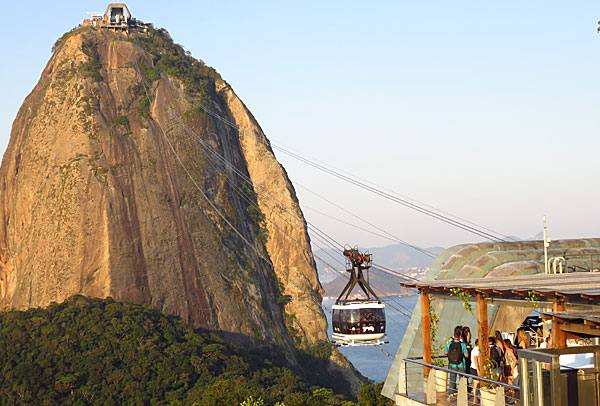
[(379, 314)]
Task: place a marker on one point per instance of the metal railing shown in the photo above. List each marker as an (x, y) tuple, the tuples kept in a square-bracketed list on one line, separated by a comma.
[(446, 386)]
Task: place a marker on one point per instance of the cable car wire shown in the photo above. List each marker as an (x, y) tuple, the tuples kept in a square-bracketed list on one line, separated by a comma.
[(371, 183), (389, 271), (241, 194), (263, 192), (251, 246), (395, 199), (404, 202), (391, 236), (311, 226)]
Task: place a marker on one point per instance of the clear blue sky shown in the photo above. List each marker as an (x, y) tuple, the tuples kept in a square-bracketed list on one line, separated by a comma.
[(487, 110)]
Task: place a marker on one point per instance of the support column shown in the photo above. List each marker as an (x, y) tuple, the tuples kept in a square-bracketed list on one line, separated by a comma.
[(483, 333), (525, 385), (426, 328), (559, 337)]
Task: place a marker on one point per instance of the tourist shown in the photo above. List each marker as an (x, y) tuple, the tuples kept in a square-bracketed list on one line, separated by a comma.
[(522, 339), (475, 368), (502, 350), (511, 362), (452, 337), (456, 351), (500, 344), (512, 370), (495, 358), (548, 341), (466, 338)]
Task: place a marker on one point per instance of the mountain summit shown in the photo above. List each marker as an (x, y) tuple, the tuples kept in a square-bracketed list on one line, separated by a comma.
[(134, 171)]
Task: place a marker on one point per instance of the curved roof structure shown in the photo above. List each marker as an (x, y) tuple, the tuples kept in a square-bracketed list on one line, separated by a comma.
[(578, 285)]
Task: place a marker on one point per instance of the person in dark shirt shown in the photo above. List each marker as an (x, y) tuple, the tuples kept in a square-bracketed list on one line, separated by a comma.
[(466, 338)]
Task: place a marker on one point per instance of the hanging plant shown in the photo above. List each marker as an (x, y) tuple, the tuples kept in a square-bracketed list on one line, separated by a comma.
[(436, 348), (465, 297), (532, 298)]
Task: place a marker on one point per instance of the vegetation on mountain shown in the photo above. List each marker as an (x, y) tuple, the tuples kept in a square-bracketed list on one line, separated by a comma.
[(172, 59), (104, 352), (92, 67)]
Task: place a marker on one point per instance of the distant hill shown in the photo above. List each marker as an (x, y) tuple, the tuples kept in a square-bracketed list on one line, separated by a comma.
[(400, 258)]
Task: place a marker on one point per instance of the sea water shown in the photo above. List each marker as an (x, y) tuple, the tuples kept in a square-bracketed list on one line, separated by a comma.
[(374, 362)]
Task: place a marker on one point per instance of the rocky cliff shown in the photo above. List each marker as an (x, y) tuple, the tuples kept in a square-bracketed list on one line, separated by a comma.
[(118, 182)]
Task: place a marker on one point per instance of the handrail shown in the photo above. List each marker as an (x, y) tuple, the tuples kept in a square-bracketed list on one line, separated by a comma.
[(414, 360)]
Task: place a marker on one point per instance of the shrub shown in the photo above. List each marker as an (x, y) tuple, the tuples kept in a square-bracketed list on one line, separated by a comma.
[(122, 353)]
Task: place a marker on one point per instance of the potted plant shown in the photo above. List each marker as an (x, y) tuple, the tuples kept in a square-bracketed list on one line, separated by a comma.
[(488, 390), (487, 395), (441, 377)]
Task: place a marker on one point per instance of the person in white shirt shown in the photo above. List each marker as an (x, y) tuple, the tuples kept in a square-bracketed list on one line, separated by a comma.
[(475, 366)]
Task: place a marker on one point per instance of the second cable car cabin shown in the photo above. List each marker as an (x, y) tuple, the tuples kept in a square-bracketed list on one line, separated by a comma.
[(359, 321)]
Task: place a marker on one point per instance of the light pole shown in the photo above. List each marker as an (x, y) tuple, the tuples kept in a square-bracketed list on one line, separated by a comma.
[(546, 245)]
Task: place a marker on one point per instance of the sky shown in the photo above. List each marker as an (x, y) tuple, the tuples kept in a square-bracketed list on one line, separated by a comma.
[(485, 110)]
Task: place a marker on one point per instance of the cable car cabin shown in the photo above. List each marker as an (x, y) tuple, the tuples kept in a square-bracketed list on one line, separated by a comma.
[(358, 321)]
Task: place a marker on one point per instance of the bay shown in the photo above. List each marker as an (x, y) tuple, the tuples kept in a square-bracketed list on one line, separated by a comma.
[(374, 362)]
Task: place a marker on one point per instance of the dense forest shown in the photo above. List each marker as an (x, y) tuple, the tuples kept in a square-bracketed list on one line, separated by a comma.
[(103, 352)]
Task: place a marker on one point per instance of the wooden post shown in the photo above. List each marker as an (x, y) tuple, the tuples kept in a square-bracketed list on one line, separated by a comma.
[(559, 337), (426, 329), (483, 334)]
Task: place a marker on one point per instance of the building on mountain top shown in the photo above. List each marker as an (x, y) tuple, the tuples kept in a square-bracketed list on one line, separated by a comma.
[(117, 17)]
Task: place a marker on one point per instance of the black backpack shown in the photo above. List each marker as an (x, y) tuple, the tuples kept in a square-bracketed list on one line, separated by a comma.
[(495, 356), (455, 354)]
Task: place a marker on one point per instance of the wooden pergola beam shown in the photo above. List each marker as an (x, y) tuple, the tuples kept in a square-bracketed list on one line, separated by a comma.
[(578, 329), (559, 338), (483, 333), (426, 328)]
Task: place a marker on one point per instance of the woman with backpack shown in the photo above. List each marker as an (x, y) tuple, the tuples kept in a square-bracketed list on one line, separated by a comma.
[(495, 358)]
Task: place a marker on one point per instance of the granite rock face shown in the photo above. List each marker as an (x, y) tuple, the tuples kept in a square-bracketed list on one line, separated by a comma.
[(109, 188)]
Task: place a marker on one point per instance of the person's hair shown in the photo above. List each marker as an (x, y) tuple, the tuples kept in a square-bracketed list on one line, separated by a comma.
[(508, 344), (522, 336), (457, 332), (476, 342), (492, 340), (465, 332), (498, 334)]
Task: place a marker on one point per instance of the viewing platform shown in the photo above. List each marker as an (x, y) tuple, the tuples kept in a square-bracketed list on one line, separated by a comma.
[(546, 376)]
